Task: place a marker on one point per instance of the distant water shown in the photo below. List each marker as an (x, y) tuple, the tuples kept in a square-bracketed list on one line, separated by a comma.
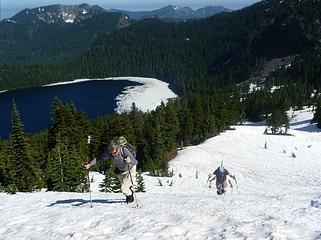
[(95, 98)]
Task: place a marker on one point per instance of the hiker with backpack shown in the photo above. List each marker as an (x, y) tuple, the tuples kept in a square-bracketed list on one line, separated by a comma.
[(124, 158), (222, 179)]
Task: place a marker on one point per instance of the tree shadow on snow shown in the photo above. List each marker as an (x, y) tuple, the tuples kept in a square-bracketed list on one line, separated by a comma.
[(254, 124), (307, 126), (79, 202)]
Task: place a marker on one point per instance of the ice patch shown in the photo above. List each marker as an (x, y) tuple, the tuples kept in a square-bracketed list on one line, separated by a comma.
[(146, 97), (9, 20), (253, 87), (275, 88), (69, 20)]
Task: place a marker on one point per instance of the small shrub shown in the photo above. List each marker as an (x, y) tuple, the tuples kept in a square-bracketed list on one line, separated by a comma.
[(160, 182)]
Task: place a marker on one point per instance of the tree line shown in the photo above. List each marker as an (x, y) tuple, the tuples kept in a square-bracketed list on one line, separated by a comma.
[(54, 159)]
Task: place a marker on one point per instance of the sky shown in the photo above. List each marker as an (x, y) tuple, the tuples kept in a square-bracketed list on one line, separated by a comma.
[(11, 7)]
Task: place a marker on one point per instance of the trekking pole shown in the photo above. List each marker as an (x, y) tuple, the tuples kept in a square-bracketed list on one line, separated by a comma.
[(91, 204), (236, 181), (231, 186), (206, 184), (237, 186), (132, 186)]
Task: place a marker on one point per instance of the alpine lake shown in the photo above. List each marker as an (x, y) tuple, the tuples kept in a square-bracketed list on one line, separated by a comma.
[(95, 98)]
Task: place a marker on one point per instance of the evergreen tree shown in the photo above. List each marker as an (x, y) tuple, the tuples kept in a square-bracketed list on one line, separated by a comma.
[(5, 179), (56, 159), (277, 121), (140, 184), (48, 172), (76, 176), (186, 123), (317, 115), (137, 119), (110, 183), (155, 153), (24, 171), (198, 117), (68, 149), (170, 128), (57, 121), (38, 148)]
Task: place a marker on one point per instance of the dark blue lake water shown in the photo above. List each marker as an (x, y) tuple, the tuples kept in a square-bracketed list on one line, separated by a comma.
[(95, 98)]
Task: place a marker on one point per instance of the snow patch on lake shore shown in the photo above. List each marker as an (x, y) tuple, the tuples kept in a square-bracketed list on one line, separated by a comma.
[(146, 97)]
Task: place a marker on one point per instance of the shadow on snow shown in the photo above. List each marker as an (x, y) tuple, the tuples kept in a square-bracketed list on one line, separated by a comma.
[(79, 202), (306, 126)]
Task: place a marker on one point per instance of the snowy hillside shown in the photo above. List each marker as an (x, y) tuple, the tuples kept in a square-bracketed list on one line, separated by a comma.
[(278, 195)]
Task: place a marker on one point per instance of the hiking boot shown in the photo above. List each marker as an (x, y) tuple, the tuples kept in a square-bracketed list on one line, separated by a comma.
[(130, 199)]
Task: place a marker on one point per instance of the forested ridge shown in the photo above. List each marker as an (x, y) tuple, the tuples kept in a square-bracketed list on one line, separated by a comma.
[(33, 41), (192, 55)]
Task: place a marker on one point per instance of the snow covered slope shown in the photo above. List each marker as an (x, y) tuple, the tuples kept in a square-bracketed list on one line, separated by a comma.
[(278, 196)]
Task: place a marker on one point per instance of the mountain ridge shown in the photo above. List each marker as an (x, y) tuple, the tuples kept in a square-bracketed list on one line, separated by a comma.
[(57, 13), (175, 12), (223, 49), (53, 33), (60, 13)]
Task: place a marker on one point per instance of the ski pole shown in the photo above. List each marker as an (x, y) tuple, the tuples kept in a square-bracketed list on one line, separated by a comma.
[(91, 204), (206, 184), (237, 186), (236, 181), (232, 187), (132, 186)]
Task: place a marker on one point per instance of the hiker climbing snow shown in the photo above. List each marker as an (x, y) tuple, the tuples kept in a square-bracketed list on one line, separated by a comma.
[(223, 180), (123, 156)]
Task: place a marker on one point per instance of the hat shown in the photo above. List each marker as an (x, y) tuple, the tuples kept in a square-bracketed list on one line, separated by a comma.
[(121, 140)]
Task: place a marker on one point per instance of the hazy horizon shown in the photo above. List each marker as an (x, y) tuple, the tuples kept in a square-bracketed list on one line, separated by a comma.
[(11, 7)]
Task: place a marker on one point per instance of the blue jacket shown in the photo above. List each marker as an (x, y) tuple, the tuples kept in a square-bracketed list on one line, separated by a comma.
[(221, 175)]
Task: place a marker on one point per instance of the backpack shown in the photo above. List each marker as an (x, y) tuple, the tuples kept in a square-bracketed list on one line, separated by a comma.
[(124, 144), (221, 173)]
